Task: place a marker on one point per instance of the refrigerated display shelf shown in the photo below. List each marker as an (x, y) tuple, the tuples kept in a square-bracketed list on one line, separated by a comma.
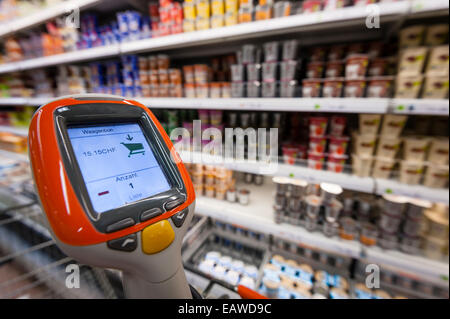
[(258, 215), (334, 105), (43, 15), (390, 11)]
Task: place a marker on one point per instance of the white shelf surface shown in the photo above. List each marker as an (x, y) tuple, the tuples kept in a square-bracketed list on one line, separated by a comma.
[(296, 104), (419, 106), (41, 16), (22, 131), (390, 11), (339, 105), (384, 186)]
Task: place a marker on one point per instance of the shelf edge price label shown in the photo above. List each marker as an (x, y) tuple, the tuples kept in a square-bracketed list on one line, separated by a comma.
[(316, 106)]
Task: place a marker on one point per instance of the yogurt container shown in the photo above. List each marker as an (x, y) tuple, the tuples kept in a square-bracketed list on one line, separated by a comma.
[(316, 160), (337, 145), (436, 176), (333, 87), (336, 163), (337, 125), (318, 126), (317, 144), (415, 148), (313, 203), (394, 205), (411, 172), (364, 145), (388, 147), (383, 167), (408, 87), (362, 165), (311, 87), (439, 150), (393, 124), (369, 123)]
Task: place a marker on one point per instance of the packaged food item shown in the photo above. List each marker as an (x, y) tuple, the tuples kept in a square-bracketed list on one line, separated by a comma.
[(415, 148), (436, 176), (231, 18), (263, 12), (354, 88), (203, 9), (439, 150), (336, 52), (362, 165), (202, 23), (383, 167), (337, 125), (333, 87), (309, 6), (411, 172), (380, 87), (245, 14), (435, 87), (217, 7), (434, 248), (408, 87), (436, 34), (225, 90), (317, 144), (348, 229), (393, 124), (356, 66), (217, 21), (281, 9), (311, 87), (388, 147), (269, 88), (237, 73), (237, 89), (288, 88), (269, 71), (369, 123), (289, 51), (231, 6), (336, 163), (317, 54), (314, 70), (189, 10), (369, 234), (316, 160), (288, 69), (412, 61), (334, 69), (438, 61), (363, 144), (318, 126), (337, 145), (412, 36), (378, 67)]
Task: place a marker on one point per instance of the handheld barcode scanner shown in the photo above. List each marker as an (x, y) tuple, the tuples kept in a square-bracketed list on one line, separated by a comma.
[(114, 194)]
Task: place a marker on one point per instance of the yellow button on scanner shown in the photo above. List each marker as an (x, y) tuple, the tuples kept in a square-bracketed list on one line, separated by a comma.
[(157, 237)]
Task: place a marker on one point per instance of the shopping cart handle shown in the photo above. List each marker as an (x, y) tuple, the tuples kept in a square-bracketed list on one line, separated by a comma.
[(247, 293)]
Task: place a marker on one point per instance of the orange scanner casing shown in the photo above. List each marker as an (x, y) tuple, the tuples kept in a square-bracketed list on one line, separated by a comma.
[(68, 220)]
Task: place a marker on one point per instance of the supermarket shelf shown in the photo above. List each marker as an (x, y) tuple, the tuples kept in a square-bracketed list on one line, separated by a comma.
[(339, 105), (427, 7), (411, 266), (383, 186), (258, 215), (419, 106), (347, 181), (23, 131), (335, 105), (304, 22), (43, 15)]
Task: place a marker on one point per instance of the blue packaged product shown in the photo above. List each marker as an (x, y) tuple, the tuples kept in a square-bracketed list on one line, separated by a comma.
[(134, 25), (146, 30), (137, 91), (122, 20), (129, 91)]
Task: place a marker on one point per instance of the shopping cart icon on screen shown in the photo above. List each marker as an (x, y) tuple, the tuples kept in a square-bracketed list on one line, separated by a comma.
[(134, 148)]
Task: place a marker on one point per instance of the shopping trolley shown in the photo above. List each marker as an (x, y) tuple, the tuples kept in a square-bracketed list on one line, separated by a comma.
[(134, 148)]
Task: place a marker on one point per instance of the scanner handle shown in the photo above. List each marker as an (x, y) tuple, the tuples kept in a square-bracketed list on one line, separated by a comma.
[(137, 287)]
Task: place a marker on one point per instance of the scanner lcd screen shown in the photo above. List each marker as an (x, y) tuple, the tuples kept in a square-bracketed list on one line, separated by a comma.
[(117, 164)]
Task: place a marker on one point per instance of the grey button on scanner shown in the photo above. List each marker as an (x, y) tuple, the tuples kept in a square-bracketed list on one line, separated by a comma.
[(179, 218), (127, 243), (149, 214), (124, 223), (174, 203)]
